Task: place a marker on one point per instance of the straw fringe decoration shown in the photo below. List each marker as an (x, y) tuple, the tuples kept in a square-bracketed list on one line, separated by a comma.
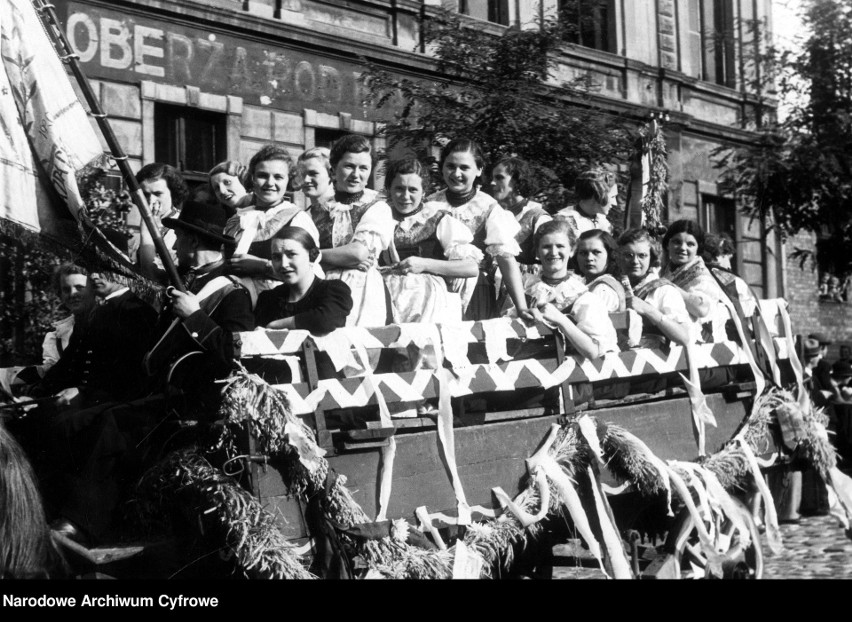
[(565, 457), (251, 401), (249, 531)]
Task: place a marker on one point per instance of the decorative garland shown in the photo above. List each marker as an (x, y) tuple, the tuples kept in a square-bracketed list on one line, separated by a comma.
[(260, 549), (654, 146), (568, 454)]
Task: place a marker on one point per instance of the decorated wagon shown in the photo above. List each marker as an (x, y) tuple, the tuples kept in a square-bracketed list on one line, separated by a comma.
[(497, 445), (342, 472)]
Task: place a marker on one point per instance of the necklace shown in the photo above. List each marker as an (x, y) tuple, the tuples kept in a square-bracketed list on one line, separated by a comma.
[(551, 281), (455, 199), (399, 216), (346, 198)]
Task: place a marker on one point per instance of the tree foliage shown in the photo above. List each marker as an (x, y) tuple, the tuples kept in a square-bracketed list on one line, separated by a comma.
[(503, 92), (28, 305), (798, 175)]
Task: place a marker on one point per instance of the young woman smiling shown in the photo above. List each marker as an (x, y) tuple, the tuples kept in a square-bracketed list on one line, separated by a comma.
[(559, 297), (355, 226), (257, 223), (492, 227), (702, 295), (429, 245), (226, 181), (656, 300)]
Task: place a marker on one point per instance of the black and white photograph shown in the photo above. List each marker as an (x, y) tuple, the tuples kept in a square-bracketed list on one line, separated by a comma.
[(528, 290)]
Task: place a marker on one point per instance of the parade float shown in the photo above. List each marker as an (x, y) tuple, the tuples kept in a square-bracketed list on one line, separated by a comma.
[(302, 471)]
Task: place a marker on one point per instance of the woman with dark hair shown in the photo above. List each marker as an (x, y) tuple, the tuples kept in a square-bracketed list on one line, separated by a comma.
[(254, 225), (702, 295), (512, 185), (492, 227), (165, 191), (596, 261), (355, 226), (227, 184), (428, 246), (303, 300), (718, 250), (560, 298), (657, 300), (596, 192)]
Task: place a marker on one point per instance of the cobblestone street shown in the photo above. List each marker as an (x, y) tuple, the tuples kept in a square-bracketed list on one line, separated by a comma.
[(816, 548)]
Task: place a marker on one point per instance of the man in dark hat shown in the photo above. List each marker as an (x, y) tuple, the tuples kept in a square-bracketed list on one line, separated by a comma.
[(841, 372), (108, 449), (824, 392), (215, 305), (822, 371)]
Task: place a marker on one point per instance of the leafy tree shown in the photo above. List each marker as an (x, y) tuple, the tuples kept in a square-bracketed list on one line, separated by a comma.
[(28, 305), (502, 92), (798, 174)]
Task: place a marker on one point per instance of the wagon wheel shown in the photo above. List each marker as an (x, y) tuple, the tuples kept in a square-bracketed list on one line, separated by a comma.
[(739, 562)]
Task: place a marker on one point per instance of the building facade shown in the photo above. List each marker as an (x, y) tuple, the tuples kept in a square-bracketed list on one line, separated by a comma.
[(195, 82)]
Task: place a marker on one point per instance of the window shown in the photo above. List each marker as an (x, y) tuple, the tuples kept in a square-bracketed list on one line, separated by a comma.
[(190, 139), (324, 137), (591, 23), (496, 11), (719, 215), (711, 25)]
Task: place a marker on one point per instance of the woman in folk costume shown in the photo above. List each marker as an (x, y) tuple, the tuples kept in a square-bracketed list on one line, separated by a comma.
[(656, 300), (596, 191), (227, 183), (596, 261), (718, 251), (429, 246), (511, 185), (493, 230), (255, 224), (313, 173), (560, 298), (355, 226), (702, 295)]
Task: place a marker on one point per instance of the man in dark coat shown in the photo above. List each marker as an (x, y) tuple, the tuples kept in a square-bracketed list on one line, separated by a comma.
[(103, 360), (109, 446)]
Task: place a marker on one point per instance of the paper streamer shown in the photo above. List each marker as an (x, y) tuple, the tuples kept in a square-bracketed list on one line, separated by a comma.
[(804, 399), (571, 500), (389, 450), (447, 438), (714, 560), (525, 518), (770, 518), (426, 525), (497, 331), (590, 433), (612, 540)]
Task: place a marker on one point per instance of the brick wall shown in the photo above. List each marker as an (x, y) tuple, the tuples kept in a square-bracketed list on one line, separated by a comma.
[(807, 312)]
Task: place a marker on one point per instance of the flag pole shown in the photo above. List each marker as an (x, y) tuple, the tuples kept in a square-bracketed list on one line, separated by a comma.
[(50, 21)]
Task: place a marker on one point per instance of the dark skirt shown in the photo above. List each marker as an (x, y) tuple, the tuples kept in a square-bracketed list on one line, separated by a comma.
[(483, 303)]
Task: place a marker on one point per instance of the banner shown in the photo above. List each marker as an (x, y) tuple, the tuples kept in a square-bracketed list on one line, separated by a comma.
[(47, 138)]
